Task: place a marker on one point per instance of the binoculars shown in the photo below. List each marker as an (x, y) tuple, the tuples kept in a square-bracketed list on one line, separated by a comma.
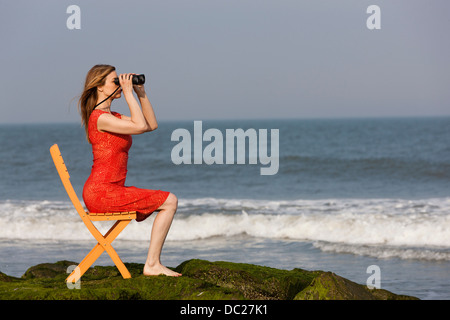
[(137, 79)]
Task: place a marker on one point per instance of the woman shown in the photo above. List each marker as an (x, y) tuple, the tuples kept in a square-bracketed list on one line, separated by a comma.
[(110, 135)]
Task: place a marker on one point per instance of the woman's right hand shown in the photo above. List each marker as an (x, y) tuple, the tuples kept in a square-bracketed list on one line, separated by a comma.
[(126, 82)]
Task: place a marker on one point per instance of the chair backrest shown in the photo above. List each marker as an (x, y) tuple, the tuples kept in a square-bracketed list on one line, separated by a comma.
[(65, 178)]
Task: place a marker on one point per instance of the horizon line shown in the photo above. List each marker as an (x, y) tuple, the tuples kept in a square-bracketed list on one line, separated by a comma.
[(257, 119)]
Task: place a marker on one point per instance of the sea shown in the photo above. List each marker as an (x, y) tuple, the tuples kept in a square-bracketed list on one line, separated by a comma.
[(350, 196)]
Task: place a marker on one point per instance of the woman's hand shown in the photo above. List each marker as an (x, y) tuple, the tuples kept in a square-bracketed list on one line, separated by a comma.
[(139, 89), (126, 82)]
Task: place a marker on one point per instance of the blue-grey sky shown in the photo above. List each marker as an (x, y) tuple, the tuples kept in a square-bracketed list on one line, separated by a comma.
[(230, 59)]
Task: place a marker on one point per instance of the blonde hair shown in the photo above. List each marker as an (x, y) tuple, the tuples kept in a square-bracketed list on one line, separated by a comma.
[(95, 77)]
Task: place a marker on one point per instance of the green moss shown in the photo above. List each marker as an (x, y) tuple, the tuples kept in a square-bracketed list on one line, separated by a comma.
[(201, 280), (329, 286), (255, 282), (48, 270)]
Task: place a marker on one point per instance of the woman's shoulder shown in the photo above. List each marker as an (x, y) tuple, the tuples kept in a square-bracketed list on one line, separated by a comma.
[(97, 113), (94, 115)]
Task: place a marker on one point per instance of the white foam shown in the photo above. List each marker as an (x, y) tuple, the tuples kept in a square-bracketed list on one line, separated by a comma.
[(360, 226), (386, 252)]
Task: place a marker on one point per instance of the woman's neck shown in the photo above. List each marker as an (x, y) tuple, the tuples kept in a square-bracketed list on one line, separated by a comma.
[(105, 106)]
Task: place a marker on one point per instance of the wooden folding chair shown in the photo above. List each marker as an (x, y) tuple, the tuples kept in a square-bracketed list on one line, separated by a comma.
[(104, 241)]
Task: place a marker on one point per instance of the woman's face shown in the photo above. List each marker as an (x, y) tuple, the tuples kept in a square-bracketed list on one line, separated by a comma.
[(110, 86)]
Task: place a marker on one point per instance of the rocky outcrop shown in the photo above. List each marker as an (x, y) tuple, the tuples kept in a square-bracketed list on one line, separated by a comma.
[(201, 280)]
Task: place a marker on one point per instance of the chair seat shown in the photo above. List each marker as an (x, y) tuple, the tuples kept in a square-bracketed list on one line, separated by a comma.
[(105, 216)]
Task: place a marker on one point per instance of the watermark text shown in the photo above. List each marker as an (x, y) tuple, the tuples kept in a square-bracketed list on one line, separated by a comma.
[(374, 280), (235, 153)]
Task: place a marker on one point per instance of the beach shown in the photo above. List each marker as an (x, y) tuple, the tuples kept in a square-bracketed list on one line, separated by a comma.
[(349, 194)]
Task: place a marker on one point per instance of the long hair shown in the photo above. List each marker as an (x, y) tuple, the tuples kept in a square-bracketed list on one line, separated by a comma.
[(95, 77)]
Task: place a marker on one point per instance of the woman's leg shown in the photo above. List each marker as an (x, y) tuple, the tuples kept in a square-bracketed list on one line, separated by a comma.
[(161, 226)]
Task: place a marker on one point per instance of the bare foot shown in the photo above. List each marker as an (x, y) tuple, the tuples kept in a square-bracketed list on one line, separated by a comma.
[(158, 270)]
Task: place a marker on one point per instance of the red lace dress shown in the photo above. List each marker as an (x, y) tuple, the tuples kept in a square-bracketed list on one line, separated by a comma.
[(105, 190)]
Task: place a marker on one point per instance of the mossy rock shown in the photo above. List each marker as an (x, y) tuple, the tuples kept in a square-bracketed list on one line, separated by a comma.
[(255, 282), (329, 286), (48, 270), (201, 280), (6, 278)]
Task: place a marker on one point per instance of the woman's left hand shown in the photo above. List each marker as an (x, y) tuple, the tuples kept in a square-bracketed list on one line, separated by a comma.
[(139, 89)]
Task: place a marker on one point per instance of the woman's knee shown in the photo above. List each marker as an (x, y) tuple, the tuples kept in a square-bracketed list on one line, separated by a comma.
[(172, 201)]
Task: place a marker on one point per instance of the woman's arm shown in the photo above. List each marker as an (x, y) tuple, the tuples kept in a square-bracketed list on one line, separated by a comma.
[(135, 124), (147, 108)]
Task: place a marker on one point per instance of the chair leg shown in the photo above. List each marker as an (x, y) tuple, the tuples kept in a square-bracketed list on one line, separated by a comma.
[(104, 243), (115, 230), (118, 262), (85, 264)]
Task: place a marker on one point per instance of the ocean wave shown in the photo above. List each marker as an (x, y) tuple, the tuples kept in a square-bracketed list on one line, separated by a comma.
[(386, 252), (375, 227)]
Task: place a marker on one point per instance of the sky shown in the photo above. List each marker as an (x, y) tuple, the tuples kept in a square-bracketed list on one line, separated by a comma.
[(230, 59)]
